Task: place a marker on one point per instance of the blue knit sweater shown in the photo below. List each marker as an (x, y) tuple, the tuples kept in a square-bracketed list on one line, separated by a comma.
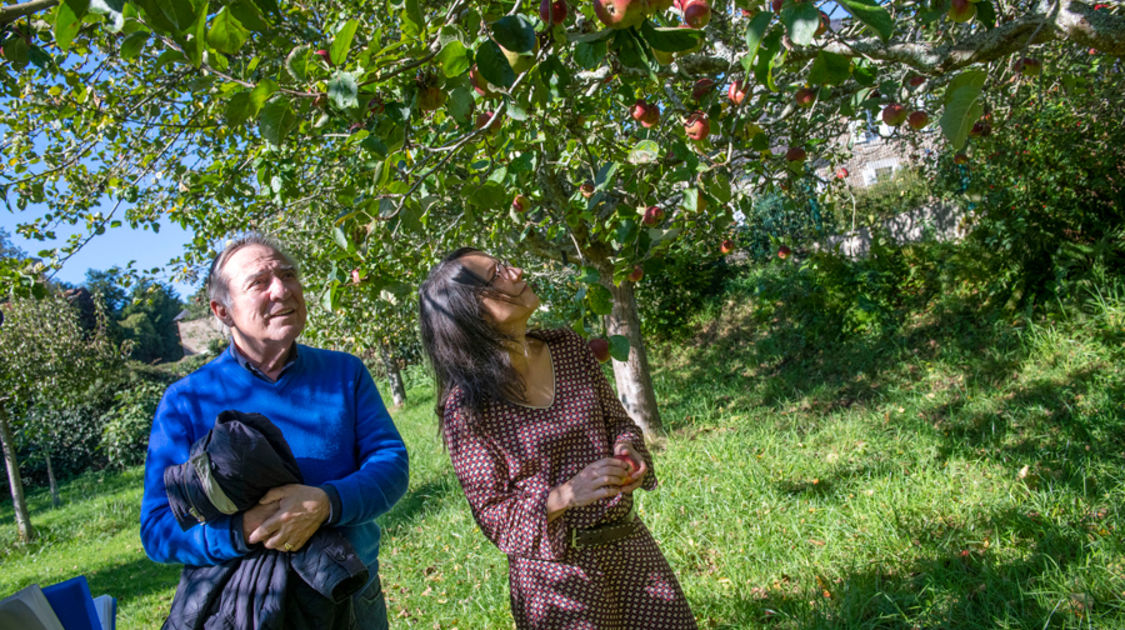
[(329, 411)]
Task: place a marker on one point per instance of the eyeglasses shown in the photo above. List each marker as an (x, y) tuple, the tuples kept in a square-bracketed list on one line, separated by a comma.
[(504, 268)]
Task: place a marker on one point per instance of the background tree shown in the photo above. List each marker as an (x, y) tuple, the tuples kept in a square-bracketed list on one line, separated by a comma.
[(426, 122), (45, 357)]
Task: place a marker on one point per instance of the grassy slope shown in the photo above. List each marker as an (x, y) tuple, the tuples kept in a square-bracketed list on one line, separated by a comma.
[(962, 472)]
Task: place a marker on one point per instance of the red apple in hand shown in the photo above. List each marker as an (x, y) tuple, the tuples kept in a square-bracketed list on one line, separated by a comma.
[(628, 461), (600, 348)]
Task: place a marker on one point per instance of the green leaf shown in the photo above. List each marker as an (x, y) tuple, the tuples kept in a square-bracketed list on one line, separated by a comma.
[(801, 19), (590, 55), (78, 7), (962, 106), (15, 51), (594, 36), (645, 152), (226, 34), (830, 69), (489, 196), (413, 14), (865, 73), (599, 299), (454, 59), (196, 43), (67, 25), (669, 39), (493, 65), (342, 240), (755, 31), (619, 347), (986, 14), (769, 56), (872, 15), (297, 62), (249, 16), (515, 33), (131, 46), (460, 104), (261, 93), (276, 121), (342, 43), (238, 109), (331, 298), (342, 90)]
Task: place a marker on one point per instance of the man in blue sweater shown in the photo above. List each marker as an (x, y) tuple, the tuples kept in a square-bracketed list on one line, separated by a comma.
[(325, 403)]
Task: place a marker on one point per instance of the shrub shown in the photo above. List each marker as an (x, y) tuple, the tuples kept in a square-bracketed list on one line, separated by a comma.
[(126, 425)]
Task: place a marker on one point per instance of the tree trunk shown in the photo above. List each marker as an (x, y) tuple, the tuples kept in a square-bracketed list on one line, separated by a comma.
[(634, 382), (15, 482), (398, 389), (51, 480)]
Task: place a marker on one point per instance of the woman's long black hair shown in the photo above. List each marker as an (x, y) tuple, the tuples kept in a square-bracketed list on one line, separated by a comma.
[(464, 350)]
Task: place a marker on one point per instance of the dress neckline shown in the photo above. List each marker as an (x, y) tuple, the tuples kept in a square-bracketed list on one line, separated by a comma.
[(554, 382)]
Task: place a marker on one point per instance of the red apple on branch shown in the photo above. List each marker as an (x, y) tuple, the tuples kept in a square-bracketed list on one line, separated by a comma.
[(726, 247), (618, 14), (636, 274), (783, 252), (653, 216), (894, 114), (600, 348), (841, 173), (553, 13), (697, 13), (587, 189), (702, 88), (805, 97), (521, 204), (962, 10), (482, 122), (795, 155), (481, 84), (645, 113), (1029, 66), (697, 127), (324, 56), (918, 119), (737, 92)]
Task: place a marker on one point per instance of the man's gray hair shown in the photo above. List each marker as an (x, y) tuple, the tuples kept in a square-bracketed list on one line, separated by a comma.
[(218, 287)]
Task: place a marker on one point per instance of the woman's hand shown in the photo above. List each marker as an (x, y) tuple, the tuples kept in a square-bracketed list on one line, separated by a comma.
[(601, 479), (633, 481)]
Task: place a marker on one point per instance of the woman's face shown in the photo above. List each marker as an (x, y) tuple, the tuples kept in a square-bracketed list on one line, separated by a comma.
[(512, 300)]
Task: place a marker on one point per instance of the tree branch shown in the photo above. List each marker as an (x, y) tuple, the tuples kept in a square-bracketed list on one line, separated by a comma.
[(14, 12)]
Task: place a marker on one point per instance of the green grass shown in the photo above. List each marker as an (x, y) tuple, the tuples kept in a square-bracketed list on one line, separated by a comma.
[(966, 470)]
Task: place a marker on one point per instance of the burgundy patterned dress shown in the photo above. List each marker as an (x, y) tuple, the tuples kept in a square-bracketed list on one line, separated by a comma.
[(509, 461)]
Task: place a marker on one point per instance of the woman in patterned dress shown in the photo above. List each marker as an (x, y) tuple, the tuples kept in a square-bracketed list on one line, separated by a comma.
[(532, 427)]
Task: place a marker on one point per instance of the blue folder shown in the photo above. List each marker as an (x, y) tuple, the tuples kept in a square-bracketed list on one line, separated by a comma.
[(74, 606)]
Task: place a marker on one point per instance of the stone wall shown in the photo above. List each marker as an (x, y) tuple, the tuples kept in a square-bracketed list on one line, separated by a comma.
[(935, 221), (196, 335)]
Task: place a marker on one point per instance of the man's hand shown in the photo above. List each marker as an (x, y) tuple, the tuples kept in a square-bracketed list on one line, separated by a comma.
[(286, 517)]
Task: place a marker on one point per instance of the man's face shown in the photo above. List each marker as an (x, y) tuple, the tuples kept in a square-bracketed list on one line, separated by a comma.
[(267, 305)]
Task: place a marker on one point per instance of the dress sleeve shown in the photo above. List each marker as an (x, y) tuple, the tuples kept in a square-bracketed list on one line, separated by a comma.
[(619, 426), (383, 474), (513, 517), (210, 543)]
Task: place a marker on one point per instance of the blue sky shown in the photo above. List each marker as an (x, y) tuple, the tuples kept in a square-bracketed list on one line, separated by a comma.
[(116, 247)]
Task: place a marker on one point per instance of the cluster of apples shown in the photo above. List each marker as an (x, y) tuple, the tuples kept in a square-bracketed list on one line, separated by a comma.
[(619, 14)]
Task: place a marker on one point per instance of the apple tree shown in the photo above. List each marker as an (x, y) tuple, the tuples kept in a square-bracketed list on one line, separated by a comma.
[(602, 134), (46, 357)]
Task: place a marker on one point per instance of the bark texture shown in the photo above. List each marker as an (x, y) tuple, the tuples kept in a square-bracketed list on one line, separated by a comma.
[(15, 482)]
